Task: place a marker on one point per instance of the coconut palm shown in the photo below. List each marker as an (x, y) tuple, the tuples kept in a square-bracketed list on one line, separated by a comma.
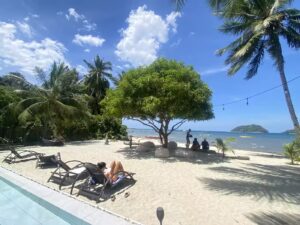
[(261, 26), (48, 107), (97, 81)]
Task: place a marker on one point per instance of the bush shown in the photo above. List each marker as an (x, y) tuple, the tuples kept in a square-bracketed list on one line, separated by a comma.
[(292, 151), (111, 126)]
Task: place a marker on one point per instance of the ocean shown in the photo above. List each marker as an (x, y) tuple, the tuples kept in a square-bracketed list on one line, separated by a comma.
[(270, 142)]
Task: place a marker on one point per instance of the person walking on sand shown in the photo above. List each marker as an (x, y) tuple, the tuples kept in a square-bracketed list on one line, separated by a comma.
[(188, 135)]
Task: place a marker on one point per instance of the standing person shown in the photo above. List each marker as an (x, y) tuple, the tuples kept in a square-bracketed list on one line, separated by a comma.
[(205, 145), (188, 135)]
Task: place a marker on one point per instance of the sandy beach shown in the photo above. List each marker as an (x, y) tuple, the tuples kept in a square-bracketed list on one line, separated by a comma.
[(202, 189)]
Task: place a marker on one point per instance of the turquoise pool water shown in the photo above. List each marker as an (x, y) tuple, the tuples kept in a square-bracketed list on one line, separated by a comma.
[(18, 206)]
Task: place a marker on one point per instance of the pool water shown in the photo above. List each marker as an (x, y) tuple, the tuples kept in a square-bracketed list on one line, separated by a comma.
[(18, 206)]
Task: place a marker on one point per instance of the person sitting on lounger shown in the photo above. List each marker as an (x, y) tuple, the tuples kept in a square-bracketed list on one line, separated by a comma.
[(196, 145), (115, 167), (205, 145)]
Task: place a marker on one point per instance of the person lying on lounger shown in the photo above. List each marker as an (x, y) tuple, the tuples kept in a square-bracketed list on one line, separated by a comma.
[(114, 168)]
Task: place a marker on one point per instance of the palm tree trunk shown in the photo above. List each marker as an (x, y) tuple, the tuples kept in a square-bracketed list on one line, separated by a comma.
[(288, 99)]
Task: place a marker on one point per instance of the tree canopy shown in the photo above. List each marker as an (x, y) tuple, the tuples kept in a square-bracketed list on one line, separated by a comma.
[(159, 93)]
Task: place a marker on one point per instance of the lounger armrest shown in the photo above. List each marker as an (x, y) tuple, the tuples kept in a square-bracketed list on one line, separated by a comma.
[(75, 161), (29, 151)]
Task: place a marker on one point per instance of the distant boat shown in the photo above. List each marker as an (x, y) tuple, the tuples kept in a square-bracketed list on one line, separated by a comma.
[(246, 137)]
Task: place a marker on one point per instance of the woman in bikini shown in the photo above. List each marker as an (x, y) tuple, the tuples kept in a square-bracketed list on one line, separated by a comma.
[(114, 168)]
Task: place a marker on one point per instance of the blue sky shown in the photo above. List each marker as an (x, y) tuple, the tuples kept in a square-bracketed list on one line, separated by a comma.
[(134, 32)]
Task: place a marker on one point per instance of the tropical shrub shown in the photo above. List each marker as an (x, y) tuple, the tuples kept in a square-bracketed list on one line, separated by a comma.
[(292, 151), (223, 145)]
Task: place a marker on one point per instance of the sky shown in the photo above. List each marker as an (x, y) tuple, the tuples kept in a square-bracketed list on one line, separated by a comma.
[(131, 33)]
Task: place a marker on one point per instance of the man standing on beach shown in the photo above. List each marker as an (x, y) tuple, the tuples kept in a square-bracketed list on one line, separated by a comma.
[(188, 135)]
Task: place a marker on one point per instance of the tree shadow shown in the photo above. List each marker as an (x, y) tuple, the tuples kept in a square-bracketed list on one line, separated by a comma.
[(82, 143), (274, 219), (272, 156), (196, 157), (274, 183)]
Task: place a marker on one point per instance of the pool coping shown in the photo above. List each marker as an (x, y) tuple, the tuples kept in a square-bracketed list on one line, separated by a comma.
[(94, 215)]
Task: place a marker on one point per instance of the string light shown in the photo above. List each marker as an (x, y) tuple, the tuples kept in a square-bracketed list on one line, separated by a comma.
[(255, 95)]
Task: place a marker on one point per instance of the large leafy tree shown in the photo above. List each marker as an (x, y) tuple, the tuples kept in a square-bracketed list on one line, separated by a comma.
[(97, 81), (158, 94), (261, 26)]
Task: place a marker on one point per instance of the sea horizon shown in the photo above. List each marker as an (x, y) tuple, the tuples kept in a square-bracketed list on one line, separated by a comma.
[(250, 141)]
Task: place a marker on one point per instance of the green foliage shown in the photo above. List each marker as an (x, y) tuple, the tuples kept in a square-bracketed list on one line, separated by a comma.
[(292, 151), (159, 93), (111, 126), (59, 108), (97, 81), (224, 145)]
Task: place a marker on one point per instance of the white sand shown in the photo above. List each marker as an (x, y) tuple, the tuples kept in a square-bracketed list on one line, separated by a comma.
[(202, 190)]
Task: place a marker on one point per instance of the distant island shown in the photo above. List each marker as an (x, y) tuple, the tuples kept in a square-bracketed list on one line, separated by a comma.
[(253, 128)]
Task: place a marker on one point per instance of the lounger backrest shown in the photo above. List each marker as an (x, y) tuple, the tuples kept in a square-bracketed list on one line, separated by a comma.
[(96, 175), (63, 165), (15, 152)]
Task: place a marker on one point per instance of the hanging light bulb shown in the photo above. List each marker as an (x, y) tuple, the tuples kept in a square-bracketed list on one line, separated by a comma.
[(223, 107), (247, 102)]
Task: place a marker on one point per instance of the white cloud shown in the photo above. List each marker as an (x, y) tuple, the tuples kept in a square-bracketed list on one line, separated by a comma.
[(26, 19), (35, 16), (25, 28), (214, 71), (73, 14), (88, 40), (59, 13), (176, 43), (192, 33), (144, 35), (24, 55), (87, 25), (87, 50), (82, 70)]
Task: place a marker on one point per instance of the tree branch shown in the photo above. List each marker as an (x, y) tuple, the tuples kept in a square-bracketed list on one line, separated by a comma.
[(146, 124), (176, 126)]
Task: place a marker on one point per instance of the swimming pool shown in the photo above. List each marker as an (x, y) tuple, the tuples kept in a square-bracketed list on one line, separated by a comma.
[(18, 206)]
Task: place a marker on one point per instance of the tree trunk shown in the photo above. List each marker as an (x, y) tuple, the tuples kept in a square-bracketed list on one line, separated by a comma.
[(165, 133), (165, 140), (288, 99)]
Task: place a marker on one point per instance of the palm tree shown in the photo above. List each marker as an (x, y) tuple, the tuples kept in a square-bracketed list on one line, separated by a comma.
[(97, 81), (260, 26), (48, 107)]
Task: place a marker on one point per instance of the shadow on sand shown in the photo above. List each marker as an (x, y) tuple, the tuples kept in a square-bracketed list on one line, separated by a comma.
[(274, 183), (195, 157), (275, 219)]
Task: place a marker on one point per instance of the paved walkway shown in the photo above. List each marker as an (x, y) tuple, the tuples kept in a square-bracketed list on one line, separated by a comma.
[(84, 211)]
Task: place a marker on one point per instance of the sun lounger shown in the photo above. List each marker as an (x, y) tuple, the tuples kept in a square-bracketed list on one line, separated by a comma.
[(47, 142), (46, 161), (64, 174), (96, 184), (21, 155)]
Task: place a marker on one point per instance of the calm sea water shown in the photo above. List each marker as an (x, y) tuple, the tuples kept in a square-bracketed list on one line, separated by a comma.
[(271, 142)]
